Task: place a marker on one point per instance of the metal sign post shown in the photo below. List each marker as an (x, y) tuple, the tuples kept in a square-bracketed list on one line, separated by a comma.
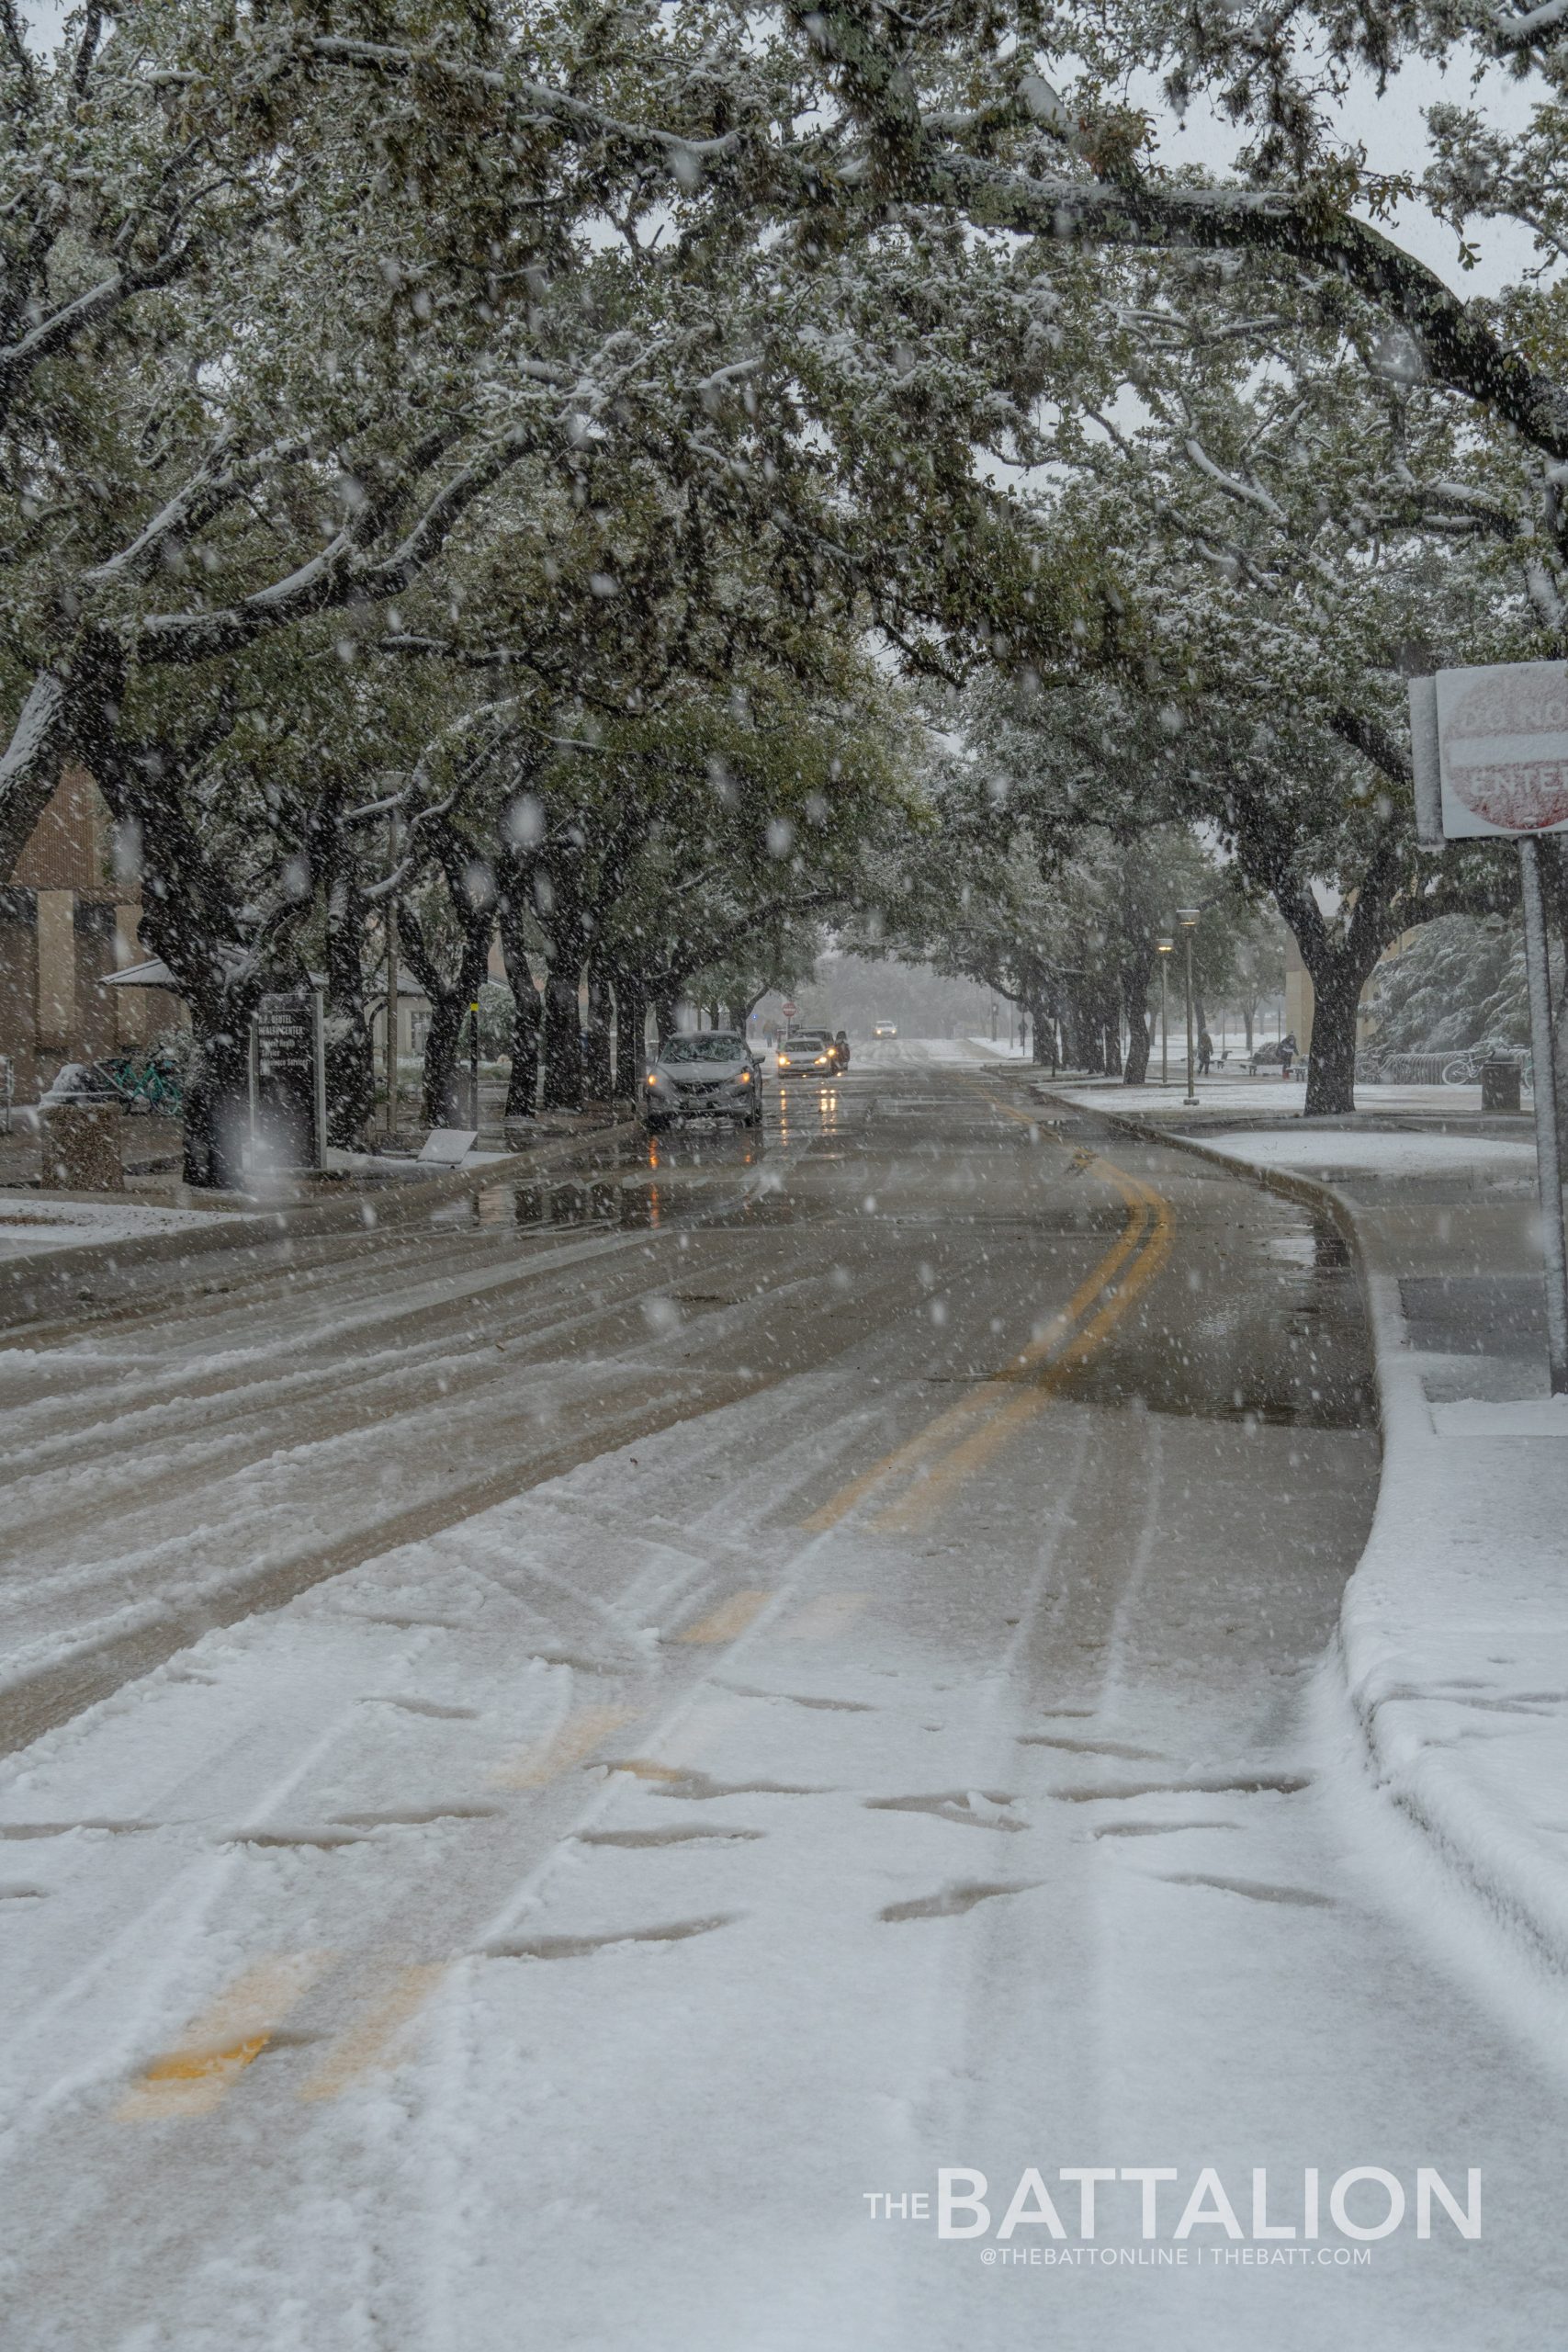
[(1547, 1154), (1188, 919), (1489, 750)]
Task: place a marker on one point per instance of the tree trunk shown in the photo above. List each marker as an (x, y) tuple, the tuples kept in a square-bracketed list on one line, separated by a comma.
[(562, 1031), (447, 1011), (1137, 974), (350, 1057), (1041, 1044), (666, 1004), (598, 1076), (1331, 1061), (631, 1028), (522, 1083), (528, 1013), (217, 1102), (1087, 1043)]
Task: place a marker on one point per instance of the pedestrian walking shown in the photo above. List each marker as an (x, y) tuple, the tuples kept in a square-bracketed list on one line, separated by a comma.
[(1205, 1052)]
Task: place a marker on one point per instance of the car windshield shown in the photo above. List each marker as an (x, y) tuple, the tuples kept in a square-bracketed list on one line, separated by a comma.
[(716, 1045), (808, 1042)]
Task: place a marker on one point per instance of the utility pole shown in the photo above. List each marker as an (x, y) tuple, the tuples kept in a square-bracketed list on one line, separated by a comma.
[(1461, 795), (1548, 1166), (474, 1067), (1165, 947), (1187, 917)]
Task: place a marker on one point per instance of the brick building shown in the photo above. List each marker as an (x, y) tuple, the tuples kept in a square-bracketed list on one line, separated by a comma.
[(65, 923)]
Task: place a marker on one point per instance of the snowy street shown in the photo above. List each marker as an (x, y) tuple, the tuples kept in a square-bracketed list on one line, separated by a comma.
[(559, 1758)]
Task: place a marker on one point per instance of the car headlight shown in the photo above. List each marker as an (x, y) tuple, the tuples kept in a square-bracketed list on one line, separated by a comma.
[(784, 1061), (654, 1078), (744, 1079), (820, 1061)]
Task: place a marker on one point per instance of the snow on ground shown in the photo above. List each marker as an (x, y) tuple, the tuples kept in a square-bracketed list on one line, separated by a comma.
[(1453, 1635), (558, 1922), (1261, 1098), (843, 1903), (33, 1223), (1366, 1152)]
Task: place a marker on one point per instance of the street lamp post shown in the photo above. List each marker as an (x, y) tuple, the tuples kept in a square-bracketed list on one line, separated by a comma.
[(1164, 947), (1187, 917)]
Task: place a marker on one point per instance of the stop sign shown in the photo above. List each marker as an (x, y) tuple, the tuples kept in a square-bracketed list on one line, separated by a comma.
[(789, 1009)]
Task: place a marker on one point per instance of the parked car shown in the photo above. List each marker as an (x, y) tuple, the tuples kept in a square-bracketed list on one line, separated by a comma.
[(809, 1050), (711, 1074), (885, 1029)]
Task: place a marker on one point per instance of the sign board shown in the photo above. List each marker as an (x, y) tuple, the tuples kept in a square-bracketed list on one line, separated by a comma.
[(288, 1121), (790, 1008), (1490, 751)]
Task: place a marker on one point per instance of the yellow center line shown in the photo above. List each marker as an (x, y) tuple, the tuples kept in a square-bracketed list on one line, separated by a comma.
[(372, 2042), (988, 1393), (729, 1619), (961, 1462), (228, 2036), (958, 1447), (537, 1766)]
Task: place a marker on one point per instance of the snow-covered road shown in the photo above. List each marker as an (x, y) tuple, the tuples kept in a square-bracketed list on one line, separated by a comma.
[(730, 1689)]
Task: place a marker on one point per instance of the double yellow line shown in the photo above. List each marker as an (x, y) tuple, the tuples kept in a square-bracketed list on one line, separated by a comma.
[(961, 1441)]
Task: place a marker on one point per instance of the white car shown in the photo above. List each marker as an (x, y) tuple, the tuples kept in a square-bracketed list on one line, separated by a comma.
[(812, 1050), (885, 1029), (708, 1075)]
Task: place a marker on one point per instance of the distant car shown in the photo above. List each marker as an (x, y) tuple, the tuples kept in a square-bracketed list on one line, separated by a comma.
[(885, 1029), (710, 1075), (809, 1050)]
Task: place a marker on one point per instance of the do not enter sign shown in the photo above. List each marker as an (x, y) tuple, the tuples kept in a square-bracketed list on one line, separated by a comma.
[(1491, 750)]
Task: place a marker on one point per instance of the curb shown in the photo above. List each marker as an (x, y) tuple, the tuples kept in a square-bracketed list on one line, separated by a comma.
[(1369, 1671), (33, 1289)]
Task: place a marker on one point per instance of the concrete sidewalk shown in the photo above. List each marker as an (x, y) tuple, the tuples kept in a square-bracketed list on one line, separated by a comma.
[(1453, 1634)]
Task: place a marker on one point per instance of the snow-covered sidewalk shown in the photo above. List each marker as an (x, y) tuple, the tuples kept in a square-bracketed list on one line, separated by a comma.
[(33, 1222), (1453, 1635)]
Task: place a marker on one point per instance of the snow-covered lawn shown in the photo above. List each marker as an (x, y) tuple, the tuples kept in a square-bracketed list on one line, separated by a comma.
[(31, 1223)]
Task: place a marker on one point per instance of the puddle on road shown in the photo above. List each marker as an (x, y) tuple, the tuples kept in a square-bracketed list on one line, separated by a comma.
[(1214, 1341)]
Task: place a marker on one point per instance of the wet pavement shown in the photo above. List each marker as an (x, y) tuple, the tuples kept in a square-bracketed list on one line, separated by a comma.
[(856, 1602)]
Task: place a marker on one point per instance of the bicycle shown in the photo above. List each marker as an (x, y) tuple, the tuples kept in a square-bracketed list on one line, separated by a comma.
[(152, 1086), (1464, 1070)]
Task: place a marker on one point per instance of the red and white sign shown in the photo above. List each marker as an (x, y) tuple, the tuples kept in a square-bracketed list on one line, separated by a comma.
[(789, 1008), (1503, 749)]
